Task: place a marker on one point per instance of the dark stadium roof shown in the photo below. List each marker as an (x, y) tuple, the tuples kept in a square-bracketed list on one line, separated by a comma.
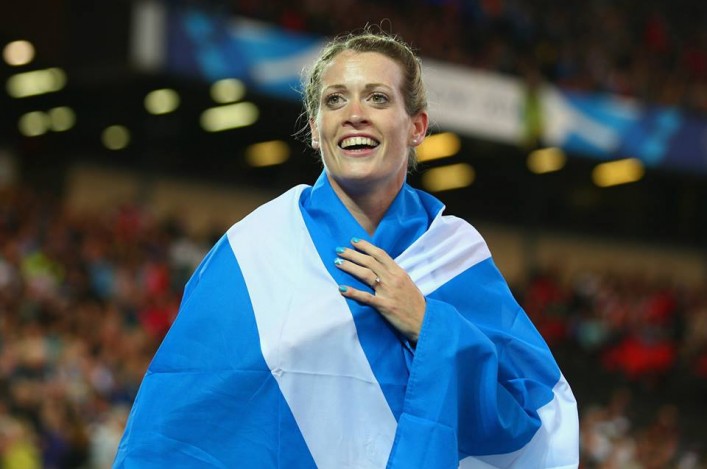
[(90, 41)]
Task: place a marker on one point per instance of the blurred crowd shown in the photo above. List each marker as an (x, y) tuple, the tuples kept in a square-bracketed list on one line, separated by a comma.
[(650, 50), (84, 303), (86, 299), (635, 352)]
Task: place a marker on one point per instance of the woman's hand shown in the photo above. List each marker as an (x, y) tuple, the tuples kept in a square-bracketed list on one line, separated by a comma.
[(396, 296)]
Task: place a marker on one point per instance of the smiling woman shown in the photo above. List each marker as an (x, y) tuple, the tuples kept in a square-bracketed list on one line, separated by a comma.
[(350, 323), (364, 132)]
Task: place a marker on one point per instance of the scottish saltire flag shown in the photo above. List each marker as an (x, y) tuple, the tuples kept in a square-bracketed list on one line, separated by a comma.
[(268, 366)]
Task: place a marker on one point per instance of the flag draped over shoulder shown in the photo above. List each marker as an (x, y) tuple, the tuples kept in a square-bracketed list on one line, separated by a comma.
[(267, 365)]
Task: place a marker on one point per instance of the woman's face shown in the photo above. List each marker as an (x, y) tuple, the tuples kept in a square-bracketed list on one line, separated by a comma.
[(362, 129)]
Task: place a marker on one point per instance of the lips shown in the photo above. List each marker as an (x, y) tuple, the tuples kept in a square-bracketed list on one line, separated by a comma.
[(358, 143)]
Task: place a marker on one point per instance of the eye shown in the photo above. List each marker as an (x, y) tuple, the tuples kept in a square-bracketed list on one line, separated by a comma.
[(333, 100), (379, 98)]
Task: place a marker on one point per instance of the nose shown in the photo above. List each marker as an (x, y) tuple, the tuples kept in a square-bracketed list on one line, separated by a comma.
[(356, 115)]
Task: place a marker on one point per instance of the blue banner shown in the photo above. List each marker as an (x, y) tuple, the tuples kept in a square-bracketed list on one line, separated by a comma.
[(271, 60), (608, 127), (213, 46)]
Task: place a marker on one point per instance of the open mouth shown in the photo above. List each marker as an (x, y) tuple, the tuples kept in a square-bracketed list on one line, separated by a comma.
[(358, 143)]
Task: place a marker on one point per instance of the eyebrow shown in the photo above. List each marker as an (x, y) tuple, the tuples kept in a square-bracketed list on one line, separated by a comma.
[(368, 87)]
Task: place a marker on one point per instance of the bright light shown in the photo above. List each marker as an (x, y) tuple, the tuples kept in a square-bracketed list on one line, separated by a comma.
[(61, 118), (161, 101), (546, 160), (33, 124), (230, 116), (228, 90), (437, 146), (18, 53), (267, 153), (36, 82), (618, 172), (444, 178), (115, 137)]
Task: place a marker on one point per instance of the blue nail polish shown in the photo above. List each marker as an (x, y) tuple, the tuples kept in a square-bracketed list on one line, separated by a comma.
[(338, 261), (342, 288), (355, 240), (339, 250)]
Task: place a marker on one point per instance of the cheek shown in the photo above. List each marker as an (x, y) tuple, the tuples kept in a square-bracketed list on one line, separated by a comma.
[(316, 127), (403, 135)]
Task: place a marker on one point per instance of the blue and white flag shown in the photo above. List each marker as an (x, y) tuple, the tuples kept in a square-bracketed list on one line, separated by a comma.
[(267, 365)]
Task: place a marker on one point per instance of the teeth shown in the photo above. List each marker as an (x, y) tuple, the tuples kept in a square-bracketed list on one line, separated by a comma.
[(353, 141)]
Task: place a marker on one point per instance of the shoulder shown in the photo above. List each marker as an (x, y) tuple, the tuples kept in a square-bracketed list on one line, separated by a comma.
[(455, 236), (271, 213), (251, 231), (448, 248), (441, 224)]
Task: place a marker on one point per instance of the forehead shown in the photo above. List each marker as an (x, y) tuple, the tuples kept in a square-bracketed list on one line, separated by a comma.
[(349, 68)]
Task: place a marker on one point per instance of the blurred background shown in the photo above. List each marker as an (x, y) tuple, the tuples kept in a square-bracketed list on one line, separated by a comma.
[(573, 135)]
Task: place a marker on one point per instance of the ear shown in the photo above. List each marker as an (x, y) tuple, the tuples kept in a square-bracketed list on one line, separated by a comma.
[(418, 131), (315, 134)]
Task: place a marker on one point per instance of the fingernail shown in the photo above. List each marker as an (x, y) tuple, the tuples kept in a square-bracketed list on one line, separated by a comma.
[(355, 240), (338, 261), (339, 250), (342, 288)]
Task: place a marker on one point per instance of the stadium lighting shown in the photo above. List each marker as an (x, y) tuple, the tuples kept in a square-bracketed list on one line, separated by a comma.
[(437, 146), (115, 137), (33, 124), (161, 101), (228, 90), (267, 153), (455, 176), (230, 116), (61, 118), (22, 85), (18, 53), (618, 172), (546, 160)]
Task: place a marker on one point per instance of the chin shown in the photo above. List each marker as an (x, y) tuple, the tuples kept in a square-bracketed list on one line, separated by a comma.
[(357, 171)]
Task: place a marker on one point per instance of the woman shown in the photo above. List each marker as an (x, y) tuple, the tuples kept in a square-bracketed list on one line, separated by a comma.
[(350, 324)]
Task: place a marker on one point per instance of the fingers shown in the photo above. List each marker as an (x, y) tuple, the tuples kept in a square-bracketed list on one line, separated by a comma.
[(373, 267), (358, 295), (394, 294), (365, 274), (364, 248), (367, 262)]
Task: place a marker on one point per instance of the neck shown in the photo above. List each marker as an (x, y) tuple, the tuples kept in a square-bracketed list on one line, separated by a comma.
[(367, 206)]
